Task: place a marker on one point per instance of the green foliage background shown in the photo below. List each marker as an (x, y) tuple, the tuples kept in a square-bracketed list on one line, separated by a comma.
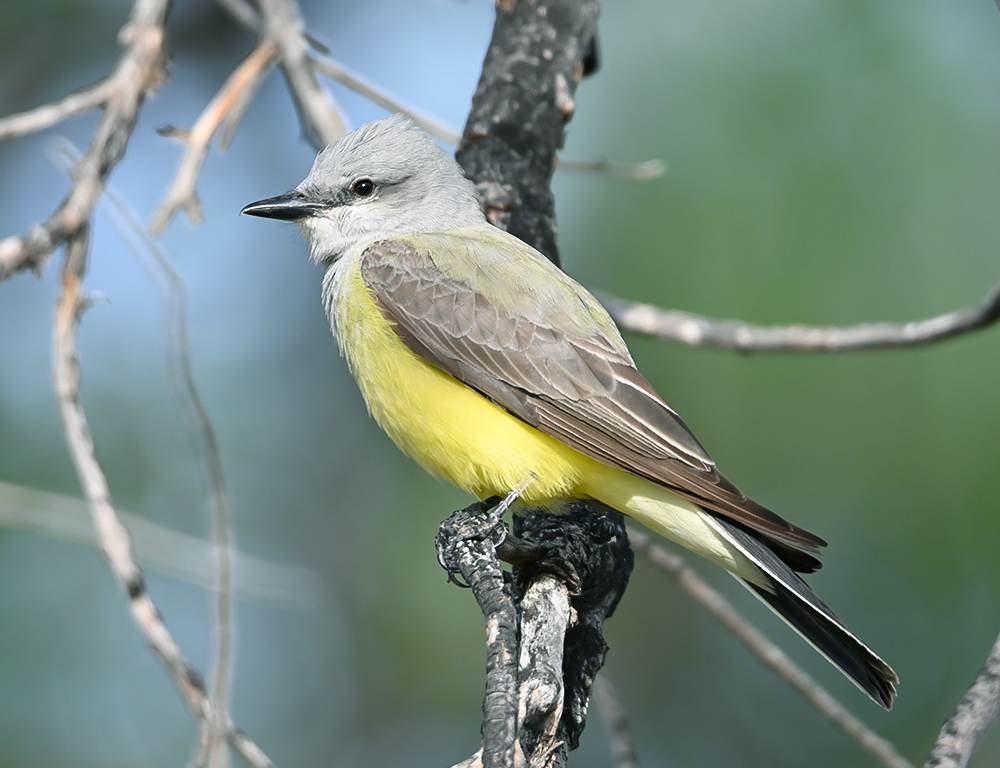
[(830, 162)]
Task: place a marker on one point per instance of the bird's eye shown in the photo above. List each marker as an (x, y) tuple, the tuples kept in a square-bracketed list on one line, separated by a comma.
[(363, 187)]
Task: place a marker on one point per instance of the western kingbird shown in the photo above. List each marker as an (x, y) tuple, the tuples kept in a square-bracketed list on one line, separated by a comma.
[(496, 371)]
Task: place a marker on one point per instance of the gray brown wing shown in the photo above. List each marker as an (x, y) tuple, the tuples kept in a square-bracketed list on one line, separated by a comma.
[(575, 386)]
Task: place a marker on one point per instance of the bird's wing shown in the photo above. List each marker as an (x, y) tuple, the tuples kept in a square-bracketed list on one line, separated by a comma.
[(536, 343)]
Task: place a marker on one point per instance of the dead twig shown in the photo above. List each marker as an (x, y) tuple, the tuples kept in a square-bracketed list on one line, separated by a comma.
[(140, 69), (976, 713), (768, 652), (616, 721), (228, 107), (114, 539), (47, 115), (644, 171), (696, 330), (647, 170), (174, 554), (465, 544), (318, 112), (378, 95), (212, 737)]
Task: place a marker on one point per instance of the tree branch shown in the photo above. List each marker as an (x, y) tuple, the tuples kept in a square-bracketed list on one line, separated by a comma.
[(465, 544), (213, 735), (570, 572), (140, 69), (976, 713), (587, 549), (115, 541), (616, 721), (114, 538), (47, 115), (545, 617), (696, 330), (319, 114), (520, 108), (228, 106)]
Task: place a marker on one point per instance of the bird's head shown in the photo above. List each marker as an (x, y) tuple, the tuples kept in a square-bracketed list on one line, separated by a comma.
[(386, 179)]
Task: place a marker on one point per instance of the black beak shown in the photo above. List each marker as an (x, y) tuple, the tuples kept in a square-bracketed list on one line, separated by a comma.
[(291, 206)]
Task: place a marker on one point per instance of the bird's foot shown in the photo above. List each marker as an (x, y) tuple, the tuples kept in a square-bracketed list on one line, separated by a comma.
[(479, 522)]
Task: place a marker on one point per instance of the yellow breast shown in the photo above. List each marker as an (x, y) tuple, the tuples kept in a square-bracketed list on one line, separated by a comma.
[(451, 430)]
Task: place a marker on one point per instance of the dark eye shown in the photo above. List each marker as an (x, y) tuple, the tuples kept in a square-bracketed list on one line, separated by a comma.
[(363, 187)]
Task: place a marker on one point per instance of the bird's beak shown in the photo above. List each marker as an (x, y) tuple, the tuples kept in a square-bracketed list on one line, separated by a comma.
[(291, 206)]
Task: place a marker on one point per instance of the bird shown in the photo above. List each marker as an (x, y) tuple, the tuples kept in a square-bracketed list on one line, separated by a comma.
[(498, 372)]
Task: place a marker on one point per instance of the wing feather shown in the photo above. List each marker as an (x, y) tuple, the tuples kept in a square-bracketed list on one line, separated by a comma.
[(563, 374)]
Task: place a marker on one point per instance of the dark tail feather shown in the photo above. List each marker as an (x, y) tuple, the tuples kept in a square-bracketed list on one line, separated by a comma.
[(795, 602), (828, 635)]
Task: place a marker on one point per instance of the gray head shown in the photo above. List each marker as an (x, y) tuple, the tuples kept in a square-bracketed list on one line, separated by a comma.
[(386, 179)]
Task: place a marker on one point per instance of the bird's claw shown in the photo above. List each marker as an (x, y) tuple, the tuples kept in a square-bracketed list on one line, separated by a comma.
[(482, 521)]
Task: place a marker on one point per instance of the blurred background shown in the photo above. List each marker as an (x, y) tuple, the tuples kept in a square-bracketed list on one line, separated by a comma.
[(830, 162)]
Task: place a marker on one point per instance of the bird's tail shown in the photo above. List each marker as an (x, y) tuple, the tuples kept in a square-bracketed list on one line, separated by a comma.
[(794, 601)]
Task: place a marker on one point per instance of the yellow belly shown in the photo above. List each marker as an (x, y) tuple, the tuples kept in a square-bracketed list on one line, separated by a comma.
[(457, 434), (451, 430)]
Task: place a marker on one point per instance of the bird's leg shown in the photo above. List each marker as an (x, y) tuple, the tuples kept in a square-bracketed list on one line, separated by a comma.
[(501, 509), (511, 498)]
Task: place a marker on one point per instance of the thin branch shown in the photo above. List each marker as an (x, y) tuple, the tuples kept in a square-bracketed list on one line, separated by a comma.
[(320, 116), (160, 549), (115, 541), (140, 68), (768, 652), (47, 115), (228, 106), (245, 14), (616, 721), (645, 171), (212, 737), (976, 713), (378, 95), (696, 330), (213, 734)]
